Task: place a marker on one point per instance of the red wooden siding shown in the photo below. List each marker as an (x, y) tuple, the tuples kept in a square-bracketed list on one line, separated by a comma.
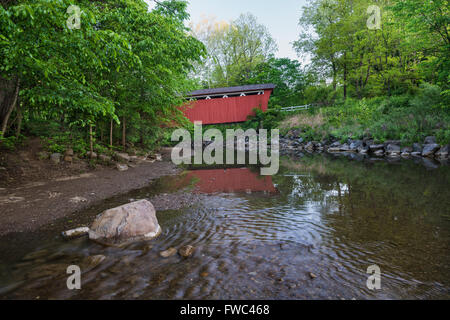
[(226, 110), (231, 180)]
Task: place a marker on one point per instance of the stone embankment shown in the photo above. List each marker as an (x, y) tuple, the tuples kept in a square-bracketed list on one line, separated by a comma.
[(429, 149)]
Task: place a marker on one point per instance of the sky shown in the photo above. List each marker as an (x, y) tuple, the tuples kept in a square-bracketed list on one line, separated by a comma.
[(280, 17)]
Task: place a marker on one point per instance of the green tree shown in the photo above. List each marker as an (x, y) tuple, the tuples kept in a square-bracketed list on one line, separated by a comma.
[(358, 60), (235, 50), (287, 75), (428, 23), (51, 68), (125, 64)]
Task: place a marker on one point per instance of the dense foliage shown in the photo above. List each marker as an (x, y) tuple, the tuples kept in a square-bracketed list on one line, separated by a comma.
[(121, 73), (385, 81), (409, 44)]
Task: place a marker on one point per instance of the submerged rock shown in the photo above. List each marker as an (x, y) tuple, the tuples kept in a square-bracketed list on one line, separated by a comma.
[(167, 253), (146, 249), (93, 262), (129, 222), (186, 251)]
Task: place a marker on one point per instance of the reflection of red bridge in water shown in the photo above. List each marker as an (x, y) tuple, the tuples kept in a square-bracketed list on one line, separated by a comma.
[(231, 180)]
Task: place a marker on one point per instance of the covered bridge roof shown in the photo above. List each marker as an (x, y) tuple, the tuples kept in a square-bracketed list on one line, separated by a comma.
[(252, 87)]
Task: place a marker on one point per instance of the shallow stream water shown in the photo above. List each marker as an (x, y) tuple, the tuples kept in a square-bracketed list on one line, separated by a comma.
[(309, 232)]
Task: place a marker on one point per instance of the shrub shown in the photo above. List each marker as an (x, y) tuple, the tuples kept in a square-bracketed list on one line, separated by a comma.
[(429, 96), (323, 95), (265, 120), (405, 117), (8, 143)]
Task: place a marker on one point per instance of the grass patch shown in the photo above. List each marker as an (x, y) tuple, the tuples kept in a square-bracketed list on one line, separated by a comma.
[(406, 118)]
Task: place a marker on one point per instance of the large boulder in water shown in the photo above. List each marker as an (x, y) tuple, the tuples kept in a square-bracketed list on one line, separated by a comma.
[(129, 222)]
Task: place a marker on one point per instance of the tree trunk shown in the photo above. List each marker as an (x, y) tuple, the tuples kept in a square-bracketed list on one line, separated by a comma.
[(345, 76), (19, 120), (91, 140), (333, 66), (111, 134), (124, 131), (8, 102)]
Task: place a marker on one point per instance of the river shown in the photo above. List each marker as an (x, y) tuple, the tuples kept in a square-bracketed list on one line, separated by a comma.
[(309, 232)]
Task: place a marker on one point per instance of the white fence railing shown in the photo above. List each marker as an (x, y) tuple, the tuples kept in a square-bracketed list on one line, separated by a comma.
[(288, 109)]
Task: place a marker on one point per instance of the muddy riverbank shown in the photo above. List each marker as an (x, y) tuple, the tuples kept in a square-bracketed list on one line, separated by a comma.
[(30, 206)]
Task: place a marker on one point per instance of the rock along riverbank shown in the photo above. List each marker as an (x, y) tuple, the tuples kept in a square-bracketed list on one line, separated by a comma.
[(429, 150)]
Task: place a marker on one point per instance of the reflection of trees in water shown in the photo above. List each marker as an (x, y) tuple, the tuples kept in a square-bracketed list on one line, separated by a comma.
[(297, 184), (398, 213), (371, 184)]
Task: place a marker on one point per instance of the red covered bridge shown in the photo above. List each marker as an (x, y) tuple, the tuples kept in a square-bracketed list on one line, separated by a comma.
[(227, 105)]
